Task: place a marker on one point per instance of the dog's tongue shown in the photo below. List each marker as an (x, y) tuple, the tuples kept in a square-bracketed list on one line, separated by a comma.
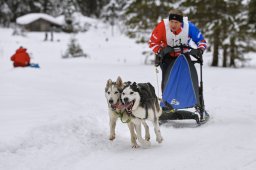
[(114, 106), (126, 105), (121, 106)]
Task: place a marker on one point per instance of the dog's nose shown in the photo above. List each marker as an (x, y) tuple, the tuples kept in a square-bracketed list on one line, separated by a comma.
[(126, 100), (111, 101)]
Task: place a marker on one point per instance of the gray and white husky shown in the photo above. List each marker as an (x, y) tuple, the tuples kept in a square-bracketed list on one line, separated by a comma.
[(117, 110), (142, 104)]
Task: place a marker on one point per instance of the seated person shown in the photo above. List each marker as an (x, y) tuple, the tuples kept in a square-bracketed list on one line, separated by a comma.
[(21, 58)]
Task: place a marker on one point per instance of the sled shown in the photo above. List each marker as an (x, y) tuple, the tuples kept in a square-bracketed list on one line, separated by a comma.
[(178, 119), (34, 65), (180, 93)]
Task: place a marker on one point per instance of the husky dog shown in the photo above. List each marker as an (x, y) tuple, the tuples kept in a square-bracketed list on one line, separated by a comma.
[(142, 103), (116, 110)]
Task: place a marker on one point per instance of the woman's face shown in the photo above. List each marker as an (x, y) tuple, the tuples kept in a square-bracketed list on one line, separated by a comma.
[(175, 25)]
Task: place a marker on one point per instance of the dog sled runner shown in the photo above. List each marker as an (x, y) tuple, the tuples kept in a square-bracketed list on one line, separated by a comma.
[(182, 90)]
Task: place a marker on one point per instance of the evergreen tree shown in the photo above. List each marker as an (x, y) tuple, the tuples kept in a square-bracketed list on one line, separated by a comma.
[(252, 12), (74, 49), (235, 33), (70, 6), (142, 16), (51, 7), (112, 13), (18, 8), (251, 8), (5, 14), (92, 8), (224, 24), (208, 16), (237, 36), (47, 6)]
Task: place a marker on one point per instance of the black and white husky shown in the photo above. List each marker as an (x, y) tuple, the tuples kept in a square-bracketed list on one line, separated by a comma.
[(117, 110), (142, 104)]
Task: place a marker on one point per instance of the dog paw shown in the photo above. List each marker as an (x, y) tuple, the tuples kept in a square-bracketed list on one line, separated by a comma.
[(112, 137), (147, 138), (145, 144), (159, 139), (135, 146)]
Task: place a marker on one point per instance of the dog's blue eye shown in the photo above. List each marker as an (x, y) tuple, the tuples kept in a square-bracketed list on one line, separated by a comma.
[(131, 92), (116, 92)]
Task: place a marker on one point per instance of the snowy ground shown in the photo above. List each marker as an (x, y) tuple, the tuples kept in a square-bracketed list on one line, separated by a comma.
[(55, 117)]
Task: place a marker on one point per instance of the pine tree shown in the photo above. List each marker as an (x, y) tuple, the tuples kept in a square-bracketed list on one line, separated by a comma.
[(142, 16), (237, 39), (209, 17), (5, 14), (251, 8), (252, 12), (70, 8), (224, 24), (74, 49), (18, 8), (235, 34), (92, 8), (111, 13)]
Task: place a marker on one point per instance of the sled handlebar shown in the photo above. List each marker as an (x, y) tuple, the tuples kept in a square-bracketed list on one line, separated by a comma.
[(170, 49)]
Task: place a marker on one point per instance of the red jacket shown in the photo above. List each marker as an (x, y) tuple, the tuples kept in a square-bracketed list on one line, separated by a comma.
[(158, 38), (21, 58)]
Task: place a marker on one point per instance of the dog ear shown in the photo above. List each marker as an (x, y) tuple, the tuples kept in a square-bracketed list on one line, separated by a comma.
[(134, 86), (119, 82), (109, 82), (128, 83)]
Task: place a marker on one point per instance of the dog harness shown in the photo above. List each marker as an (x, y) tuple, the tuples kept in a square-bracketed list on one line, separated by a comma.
[(121, 111)]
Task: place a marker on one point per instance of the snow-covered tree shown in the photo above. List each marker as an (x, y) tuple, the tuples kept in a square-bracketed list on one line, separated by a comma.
[(74, 49), (251, 17), (92, 8), (112, 13), (224, 24), (208, 16), (18, 8), (5, 14), (252, 11), (68, 12), (142, 16)]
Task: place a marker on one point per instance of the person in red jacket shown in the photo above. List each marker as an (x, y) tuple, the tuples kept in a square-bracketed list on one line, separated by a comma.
[(174, 33), (21, 58)]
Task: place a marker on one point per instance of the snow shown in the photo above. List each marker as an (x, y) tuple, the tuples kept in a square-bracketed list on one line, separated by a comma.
[(55, 117), (78, 18), (29, 18)]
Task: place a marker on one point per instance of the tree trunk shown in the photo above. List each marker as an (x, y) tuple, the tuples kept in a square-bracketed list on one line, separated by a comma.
[(232, 52), (225, 56), (216, 44)]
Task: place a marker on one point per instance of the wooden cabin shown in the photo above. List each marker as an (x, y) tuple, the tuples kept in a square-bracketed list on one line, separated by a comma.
[(39, 22)]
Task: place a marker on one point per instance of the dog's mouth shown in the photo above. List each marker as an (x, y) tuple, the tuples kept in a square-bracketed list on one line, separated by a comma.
[(115, 106), (128, 106)]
